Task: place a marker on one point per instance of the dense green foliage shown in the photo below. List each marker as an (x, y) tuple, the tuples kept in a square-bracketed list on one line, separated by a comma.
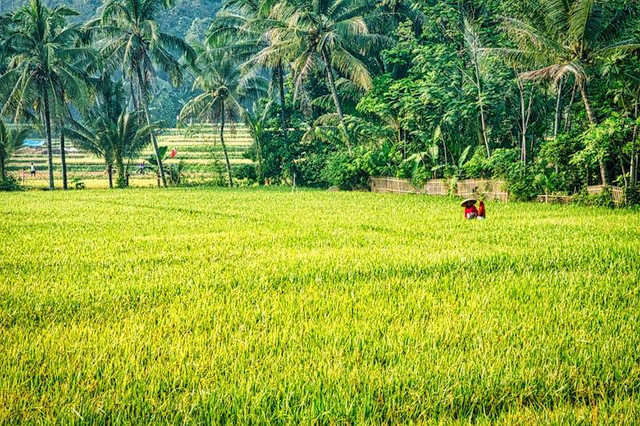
[(545, 94), (255, 306)]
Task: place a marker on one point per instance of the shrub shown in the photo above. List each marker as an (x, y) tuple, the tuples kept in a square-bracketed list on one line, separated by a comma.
[(9, 184), (520, 182), (246, 171), (602, 199), (347, 171)]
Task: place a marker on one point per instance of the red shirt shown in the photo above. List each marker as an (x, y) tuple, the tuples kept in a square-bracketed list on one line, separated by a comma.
[(471, 209), (481, 211)]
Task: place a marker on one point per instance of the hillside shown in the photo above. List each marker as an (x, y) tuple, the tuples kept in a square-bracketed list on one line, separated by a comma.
[(176, 20)]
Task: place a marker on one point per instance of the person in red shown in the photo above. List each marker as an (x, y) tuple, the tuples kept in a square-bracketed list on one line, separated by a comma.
[(482, 215), (174, 152), (470, 210)]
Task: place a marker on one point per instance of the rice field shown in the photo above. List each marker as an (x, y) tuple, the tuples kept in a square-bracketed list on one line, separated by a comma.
[(270, 306), (199, 151)]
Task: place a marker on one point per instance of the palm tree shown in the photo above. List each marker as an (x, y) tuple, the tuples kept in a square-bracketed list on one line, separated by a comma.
[(226, 91), (330, 34), (43, 59), (10, 141), (135, 44), (256, 121), (240, 30), (572, 37), (111, 132)]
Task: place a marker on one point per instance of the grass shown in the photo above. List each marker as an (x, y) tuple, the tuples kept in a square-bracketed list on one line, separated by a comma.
[(252, 306)]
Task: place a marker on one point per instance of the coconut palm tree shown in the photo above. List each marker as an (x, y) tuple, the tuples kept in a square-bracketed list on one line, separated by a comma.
[(111, 132), (570, 37), (10, 141), (136, 46), (44, 58), (325, 34), (256, 120), (227, 90)]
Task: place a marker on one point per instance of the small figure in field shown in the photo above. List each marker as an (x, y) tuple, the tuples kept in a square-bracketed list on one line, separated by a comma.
[(23, 175), (141, 170), (470, 210), (174, 152), (33, 169), (482, 215)]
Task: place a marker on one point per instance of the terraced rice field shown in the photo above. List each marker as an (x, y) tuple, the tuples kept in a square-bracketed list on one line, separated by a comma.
[(210, 306), (200, 152)]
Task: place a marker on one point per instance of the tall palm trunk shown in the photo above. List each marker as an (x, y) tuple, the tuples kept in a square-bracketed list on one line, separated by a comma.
[(63, 157), (224, 150), (110, 174), (593, 121), (334, 95), (3, 173), (483, 121), (283, 117), (556, 121), (260, 170), (122, 178), (634, 148), (523, 122), (145, 107), (283, 112), (47, 127)]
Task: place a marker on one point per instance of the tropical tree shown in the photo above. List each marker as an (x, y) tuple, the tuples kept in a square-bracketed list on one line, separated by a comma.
[(136, 45), (10, 141), (256, 120), (227, 91), (113, 140), (44, 58), (570, 37), (110, 131), (328, 34), (241, 29)]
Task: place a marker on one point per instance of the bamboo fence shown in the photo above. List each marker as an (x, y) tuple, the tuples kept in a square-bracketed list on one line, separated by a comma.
[(488, 189)]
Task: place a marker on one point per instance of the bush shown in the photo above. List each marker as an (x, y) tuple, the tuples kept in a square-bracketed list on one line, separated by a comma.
[(9, 184), (346, 171), (502, 162), (478, 166), (602, 199), (246, 171), (633, 196), (520, 182)]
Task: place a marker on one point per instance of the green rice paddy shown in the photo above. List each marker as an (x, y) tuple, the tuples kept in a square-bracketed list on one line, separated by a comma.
[(199, 151), (245, 306)]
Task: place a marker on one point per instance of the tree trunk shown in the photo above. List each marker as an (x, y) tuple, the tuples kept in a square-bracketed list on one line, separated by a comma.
[(283, 113), (260, 171), (3, 172), (47, 126), (122, 177), (283, 117), (567, 119), (523, 155), (154, 142), (63, 157), (556, 121), (110, 175), (593, 121), (334, 94), (483, 122), (224, 150), (634, 149)]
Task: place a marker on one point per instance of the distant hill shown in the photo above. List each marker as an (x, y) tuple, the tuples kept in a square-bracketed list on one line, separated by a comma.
[(177, 20)]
